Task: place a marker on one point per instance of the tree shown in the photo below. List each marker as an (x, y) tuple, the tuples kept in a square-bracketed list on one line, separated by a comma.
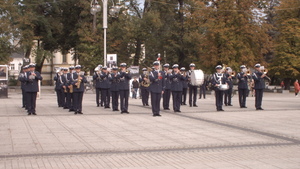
[(286, 63)]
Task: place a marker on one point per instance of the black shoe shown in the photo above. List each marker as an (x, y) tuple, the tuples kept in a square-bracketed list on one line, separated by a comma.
[(225, 104), (66, 108), (195, 105), (71, 110), (184, 104), (33, 113), (147, 104), (101, 105), (191, 105), (122, 112), (158, 115), (97, 105), (166, 109), (79, 112), (126, 112), (220, 110), (75, 112), (243, 107), (260, 108), (230, 105), (23, 106), (154, 115), (29, 114)]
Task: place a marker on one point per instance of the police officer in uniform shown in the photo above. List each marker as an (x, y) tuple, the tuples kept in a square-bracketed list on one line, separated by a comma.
[(228, 93), (176, 87), (97, 79), (59, 87), (70, 88), (124, 88), (21, 78), (259, 86), (32, 87), (167, 91), (105, 87), (243, 86), (115, 82), (78, 89), (203, 89), (218, 78), (144, 89), (157, 79), (184, 85), (192, 88)]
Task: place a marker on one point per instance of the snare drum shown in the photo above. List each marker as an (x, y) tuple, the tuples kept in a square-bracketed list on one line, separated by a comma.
[(223, 87)]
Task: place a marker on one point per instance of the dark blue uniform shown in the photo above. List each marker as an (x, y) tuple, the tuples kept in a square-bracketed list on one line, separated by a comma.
[(192, 92), (259, 86), (228, 93), (242, 88), (157, 86), (218, 78), (105, 89), (21, 78), (59, 89), (144, 91), (167, 92), (78, 92), (124, 91), (176, 88), (203, 89), (32, 88), (184, 91), (97, 79), (115, 82), (69, 101)]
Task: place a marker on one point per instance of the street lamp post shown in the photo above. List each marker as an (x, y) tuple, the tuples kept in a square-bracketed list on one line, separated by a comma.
[(95, 7)]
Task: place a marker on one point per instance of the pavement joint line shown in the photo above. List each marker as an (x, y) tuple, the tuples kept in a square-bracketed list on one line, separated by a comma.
[(160, 150)]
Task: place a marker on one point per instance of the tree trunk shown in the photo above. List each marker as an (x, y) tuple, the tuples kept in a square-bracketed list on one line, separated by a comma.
[(28, 52), (287, 83), (138, 50)]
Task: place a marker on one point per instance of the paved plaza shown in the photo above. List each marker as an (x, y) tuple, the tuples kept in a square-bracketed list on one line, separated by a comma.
[(197, 138)]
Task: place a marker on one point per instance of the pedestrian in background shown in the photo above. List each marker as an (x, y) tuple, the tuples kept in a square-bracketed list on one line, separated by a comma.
[(296, 85), (135, 87)]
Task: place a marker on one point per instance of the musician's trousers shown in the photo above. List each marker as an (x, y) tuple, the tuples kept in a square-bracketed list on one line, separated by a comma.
[(166, 98), (258, 97), (227, 96), (145, 96), (98, 92), (78, 101), (219, 99), (105, 97), (124, 95), (155, 103), (115, 99), (31, 101), (176, 100), (184, 92), (192, 95), (242, 97)]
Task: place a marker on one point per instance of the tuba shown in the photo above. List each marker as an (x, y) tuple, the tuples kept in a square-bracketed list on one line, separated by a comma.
[(146, 83)]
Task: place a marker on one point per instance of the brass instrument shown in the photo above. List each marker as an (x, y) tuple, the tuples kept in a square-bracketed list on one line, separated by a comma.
[(232, 73), (71, 88), (248, 72), (65, 90), (146, 83), (78, 83)]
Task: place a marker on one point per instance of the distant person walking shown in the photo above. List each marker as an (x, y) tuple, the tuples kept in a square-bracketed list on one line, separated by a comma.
[(135, 87), (282, 85), (297, 88)]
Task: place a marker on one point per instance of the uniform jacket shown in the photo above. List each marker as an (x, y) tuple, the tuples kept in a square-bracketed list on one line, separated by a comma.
[(105, 80), (115, 82), (157, 83), (259, 83), (229, 80), (59, 83), (98, 80), (167, 80), (243, 80), (218, 78), (177, 81), (32, 84), (75, 80), (21, 78), (124, 80)]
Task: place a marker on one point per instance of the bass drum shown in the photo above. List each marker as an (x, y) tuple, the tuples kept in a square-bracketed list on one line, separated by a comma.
[(197, 77)]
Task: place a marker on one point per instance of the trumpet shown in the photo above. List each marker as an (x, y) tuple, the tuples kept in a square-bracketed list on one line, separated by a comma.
[(232, 73)]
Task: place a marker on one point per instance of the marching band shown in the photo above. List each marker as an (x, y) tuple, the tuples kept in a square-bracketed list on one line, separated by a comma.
[(113, 86)]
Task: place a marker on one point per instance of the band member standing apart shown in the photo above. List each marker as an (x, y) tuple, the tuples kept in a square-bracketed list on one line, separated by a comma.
[(259, 86), (167, 91), (124, 88), (115, 82), (70, 99), (296, 86), (176, 87), (184, 85), (97, 79), (218, 79), (144, 86), (192, 89), (157, 88), (32, 87), (105, 87), (228, 93), (78, 89), (22, 78), (243, 86), (59, 87)]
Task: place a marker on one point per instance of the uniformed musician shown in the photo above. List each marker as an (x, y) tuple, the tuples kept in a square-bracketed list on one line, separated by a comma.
[(59, 87), (184, 85), (105, 87), (70, 88), (115, 85), (21, 78), (65, 87), (32, 87), (243, 85), (228, 93), (259, 86), (143, 79), (192, 88), (218, 79), (157, 78), (125, 78), (97, 79), (78, 89), (176, 87), (167, 91)]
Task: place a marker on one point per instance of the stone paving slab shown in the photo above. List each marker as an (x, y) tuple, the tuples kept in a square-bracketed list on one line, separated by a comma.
[(196, 138)]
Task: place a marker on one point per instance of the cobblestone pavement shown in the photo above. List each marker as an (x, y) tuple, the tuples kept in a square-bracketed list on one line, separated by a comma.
[(196, 138)]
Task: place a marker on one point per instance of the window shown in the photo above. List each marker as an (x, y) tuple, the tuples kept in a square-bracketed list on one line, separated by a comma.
[(12, 66)]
